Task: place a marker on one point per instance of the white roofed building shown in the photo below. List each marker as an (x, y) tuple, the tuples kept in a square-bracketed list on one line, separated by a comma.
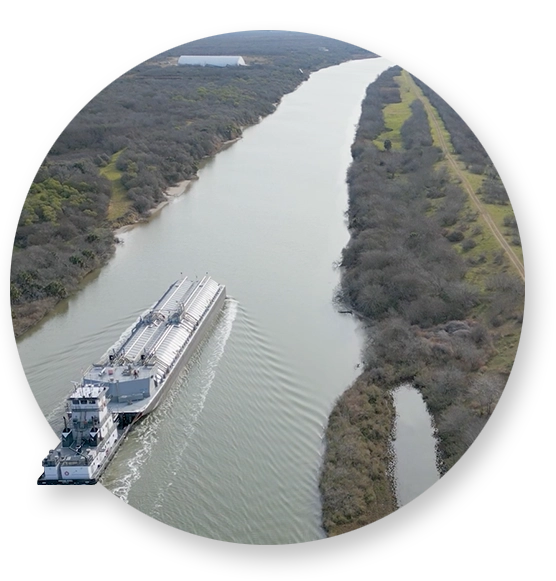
[(212, 61)]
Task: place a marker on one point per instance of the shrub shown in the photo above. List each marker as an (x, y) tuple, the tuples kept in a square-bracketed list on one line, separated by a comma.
[(468, 244), (455, 236)]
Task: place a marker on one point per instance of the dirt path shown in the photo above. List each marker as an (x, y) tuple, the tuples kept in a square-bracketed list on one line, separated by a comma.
[(457, 170)]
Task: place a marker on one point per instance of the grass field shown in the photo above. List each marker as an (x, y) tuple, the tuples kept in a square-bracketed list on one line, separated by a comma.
[(119, 203), (395, 114)]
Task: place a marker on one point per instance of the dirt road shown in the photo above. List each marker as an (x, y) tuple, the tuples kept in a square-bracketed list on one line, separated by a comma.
[(465, 182)]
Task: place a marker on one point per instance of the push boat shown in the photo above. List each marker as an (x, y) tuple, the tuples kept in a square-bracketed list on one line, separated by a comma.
[(130, 380)]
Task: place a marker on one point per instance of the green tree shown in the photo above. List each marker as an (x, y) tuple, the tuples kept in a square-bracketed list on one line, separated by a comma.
[(56, 289)]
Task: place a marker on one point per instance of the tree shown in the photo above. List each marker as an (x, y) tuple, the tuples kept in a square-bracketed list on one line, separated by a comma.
[(486, 390), (387, 145)]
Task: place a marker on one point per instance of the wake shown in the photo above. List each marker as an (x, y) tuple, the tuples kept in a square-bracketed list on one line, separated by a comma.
[(147, 431)]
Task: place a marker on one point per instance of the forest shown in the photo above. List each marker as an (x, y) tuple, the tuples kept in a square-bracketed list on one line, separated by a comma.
[(434, 316), (148, 130)]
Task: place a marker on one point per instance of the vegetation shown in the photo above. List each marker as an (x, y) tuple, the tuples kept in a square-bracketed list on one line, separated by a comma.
[(478, 168), (355, 478), (463, 140), (120, 203), (441, 304), (146, 131)]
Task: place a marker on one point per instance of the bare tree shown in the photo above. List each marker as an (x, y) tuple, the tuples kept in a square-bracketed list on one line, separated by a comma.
[(486, 391)]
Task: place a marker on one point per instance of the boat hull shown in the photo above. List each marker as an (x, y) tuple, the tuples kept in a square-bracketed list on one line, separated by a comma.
[(96, 477)]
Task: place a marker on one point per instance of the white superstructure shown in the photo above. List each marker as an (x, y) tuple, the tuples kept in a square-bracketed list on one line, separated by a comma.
[(87, 440), (212, 61)]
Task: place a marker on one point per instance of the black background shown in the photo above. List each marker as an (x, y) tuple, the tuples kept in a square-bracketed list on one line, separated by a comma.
[(490, 516)]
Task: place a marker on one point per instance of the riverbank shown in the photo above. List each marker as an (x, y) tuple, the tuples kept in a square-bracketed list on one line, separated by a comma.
[(356, 485), (176, 190), (171, 193), (442, 304), (25, 316)]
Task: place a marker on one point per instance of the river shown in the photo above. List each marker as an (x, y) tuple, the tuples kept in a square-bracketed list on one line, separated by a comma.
[(414, 445), (234, 452)]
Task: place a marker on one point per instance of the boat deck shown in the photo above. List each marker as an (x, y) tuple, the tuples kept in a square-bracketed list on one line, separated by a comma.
[(158, 336)]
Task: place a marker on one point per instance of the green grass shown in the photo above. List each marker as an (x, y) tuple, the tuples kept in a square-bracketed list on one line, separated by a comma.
[(506, 345), (119, 202), (498, 213), (418, 93), (395, 115), (475, 181)]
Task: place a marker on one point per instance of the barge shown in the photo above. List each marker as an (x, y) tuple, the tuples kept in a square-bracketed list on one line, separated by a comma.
[(130, 380)]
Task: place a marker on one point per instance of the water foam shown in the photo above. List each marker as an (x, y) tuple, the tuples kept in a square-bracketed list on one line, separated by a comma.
[(146, 432)]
